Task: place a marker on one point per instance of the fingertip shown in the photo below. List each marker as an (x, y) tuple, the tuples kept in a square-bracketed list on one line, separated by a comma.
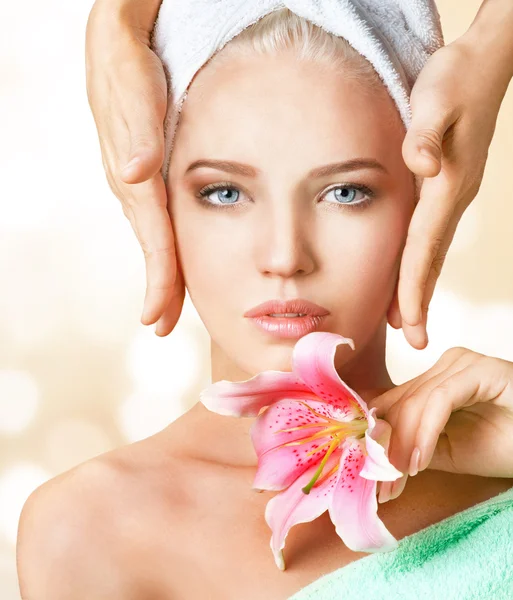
[(420, 159), (384, 492), (394, 320), (416, 336), (147, 318), (398, 487), (152, 312), (158, 330), (411, 318), (153, 308), (394, 316), (141, 167)]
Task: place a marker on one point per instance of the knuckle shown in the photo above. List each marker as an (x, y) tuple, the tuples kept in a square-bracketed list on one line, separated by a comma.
[(434, 246), (438, 263), (156, 252), (144, 140), (443, 387), (396, 412), (422, 238), (453, 354), (429, 136), (484, 361)]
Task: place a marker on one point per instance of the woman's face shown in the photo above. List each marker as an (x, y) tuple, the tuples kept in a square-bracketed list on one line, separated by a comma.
[(271, 221)]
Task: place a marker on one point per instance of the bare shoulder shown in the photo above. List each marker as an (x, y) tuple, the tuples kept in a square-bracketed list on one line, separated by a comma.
[(96, 525)]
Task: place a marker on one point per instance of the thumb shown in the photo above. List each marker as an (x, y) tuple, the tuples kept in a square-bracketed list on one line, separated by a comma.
[(143, 109), (145, 157), (422, 146)]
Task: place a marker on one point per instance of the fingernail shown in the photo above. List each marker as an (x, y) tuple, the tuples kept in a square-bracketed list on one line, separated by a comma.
[(414, 462), (398, 487), (384, 492)]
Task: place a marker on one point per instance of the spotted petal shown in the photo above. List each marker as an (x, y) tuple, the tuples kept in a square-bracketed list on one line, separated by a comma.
[(353, 507), (278, 464), (293, 506)]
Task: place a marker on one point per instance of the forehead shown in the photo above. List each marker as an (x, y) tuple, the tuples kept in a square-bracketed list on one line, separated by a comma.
[(292, 109)]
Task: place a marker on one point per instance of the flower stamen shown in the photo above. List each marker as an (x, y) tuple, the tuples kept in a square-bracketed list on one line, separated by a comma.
[(309, 486)]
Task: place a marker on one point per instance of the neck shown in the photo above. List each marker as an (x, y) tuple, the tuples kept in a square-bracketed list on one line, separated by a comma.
[(227, 439)]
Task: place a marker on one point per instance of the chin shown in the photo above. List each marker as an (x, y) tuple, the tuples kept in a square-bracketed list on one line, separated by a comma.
[(276, 356)]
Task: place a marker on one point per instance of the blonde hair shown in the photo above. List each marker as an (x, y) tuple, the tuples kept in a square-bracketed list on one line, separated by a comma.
[(282, 30)]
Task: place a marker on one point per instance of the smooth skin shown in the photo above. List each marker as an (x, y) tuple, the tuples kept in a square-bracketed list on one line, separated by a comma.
[(455, 103)]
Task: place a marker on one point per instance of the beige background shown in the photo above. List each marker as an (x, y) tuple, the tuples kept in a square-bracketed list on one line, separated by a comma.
[(79, 374)]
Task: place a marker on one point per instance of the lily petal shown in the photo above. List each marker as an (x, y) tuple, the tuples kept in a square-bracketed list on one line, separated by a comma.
[(377, 439), (314, 362), (266, 431), (247, 398), (279, 465), (353, 507), (293, 506)]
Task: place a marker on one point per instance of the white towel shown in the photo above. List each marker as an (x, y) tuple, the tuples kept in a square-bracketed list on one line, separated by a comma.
[(395, 36)]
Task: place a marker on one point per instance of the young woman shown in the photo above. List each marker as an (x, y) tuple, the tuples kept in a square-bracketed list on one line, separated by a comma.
[(289, 196)]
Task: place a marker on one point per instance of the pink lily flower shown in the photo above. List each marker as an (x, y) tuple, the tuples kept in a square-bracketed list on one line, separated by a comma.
[(316, 439)]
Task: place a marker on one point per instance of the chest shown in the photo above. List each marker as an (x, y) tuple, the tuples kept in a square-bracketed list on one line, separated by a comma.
[(217, 542), (220, 549)]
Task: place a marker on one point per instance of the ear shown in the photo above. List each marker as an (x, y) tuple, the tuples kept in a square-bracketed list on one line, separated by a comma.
[(393, 312)]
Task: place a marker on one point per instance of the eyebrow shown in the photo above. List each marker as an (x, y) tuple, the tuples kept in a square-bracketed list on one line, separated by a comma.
[(248, 171)]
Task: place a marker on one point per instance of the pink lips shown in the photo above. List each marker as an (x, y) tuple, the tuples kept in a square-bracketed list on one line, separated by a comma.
[(288, 327)]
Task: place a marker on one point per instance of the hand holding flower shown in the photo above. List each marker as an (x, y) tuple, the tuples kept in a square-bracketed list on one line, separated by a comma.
[(459, 414)]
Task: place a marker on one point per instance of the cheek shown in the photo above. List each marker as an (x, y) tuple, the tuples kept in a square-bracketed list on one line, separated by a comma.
[(211, 259), (371, 249), (380, 252)]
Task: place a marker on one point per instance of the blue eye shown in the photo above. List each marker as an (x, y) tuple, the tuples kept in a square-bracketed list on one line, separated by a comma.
[(220, 194), (224, 194), (349, 194)]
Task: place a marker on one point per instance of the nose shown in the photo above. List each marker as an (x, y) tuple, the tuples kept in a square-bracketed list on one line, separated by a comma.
[(284, 248)]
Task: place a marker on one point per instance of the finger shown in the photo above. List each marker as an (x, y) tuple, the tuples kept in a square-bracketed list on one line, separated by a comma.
[(450, 357), (422, 145), (398, 486), (392, 489), (425, 236), (147, 209), (479, 382), (169, 319), (393, 313), (145, 205), (384, 491), (439, 260), (143, 109), (405, 416), (146, 156), (416, 335)]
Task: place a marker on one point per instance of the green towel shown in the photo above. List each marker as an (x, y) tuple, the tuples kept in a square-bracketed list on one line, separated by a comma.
[(467, 556)]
